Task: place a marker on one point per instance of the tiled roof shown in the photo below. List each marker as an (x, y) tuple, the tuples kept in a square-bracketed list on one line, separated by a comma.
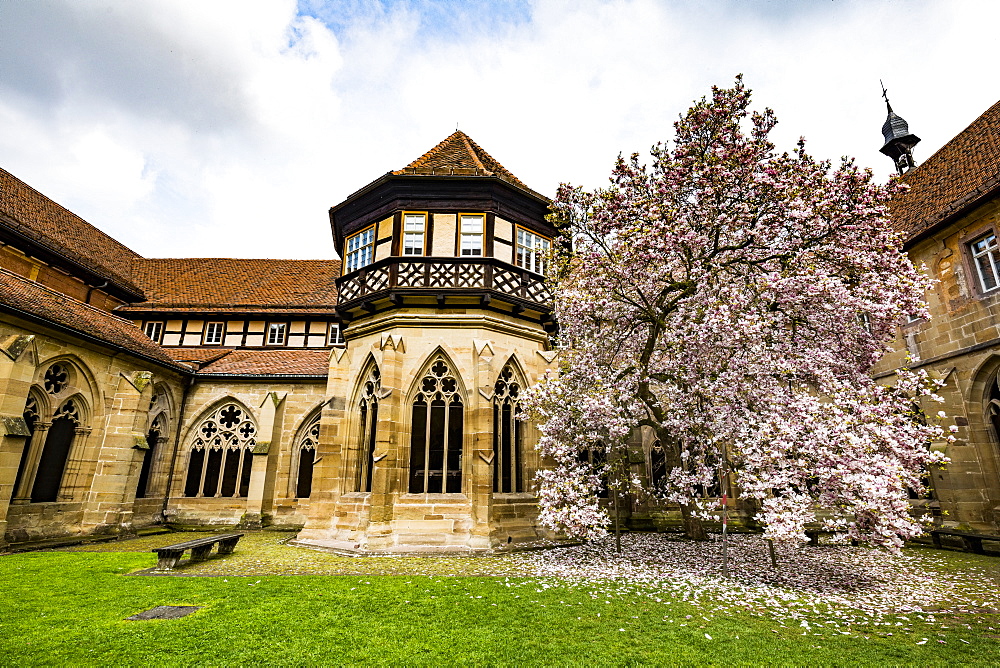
[(961, 173), (199, 356), (221, 284), (60, 231), (285, 362), (459, 155), (20, 296)]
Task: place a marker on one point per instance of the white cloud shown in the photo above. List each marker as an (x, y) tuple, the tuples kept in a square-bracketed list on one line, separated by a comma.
[(229, 128)]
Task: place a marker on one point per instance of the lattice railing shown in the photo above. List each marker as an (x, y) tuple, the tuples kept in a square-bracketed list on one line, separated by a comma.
[(443, 275)]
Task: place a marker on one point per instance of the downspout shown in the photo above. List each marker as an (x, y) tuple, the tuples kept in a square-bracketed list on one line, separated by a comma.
[(177, 445), (91, 288)]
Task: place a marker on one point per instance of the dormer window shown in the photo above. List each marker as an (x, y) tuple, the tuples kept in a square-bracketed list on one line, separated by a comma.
[(532, 251), (361, 249), (414, 229), (984, 255), (336, 337), (154, 330), (472, 233), (213, 333), (276, 334)]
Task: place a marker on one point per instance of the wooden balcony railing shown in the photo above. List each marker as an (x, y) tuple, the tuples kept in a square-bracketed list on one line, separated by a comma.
[(443, 276)]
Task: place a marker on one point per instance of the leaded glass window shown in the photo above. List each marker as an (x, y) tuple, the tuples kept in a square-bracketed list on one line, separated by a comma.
[(437, 432), (532, 251), (360, 249), (222, 454), (507, 465), (985, 257)]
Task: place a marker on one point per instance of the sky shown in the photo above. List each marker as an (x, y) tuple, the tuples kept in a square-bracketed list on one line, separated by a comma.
[(189, 128)]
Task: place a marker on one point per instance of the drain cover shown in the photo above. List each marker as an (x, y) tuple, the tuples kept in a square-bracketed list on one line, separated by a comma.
[(166, 612)]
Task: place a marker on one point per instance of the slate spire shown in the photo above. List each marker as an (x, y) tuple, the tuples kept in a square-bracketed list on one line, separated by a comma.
[(899, 142)]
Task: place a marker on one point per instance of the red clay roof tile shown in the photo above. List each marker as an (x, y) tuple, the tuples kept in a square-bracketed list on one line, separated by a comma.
[(958, 176), (244, 362), (20, 296), (224, 284), (57, 229), (459, 155)]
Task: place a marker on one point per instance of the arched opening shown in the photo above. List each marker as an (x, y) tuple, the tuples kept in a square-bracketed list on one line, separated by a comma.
[(153, 438), (507, 456), (368, 412), (222, 454), (657, 465), (437, 433), (596, 459), (55, 452), (307, 459)]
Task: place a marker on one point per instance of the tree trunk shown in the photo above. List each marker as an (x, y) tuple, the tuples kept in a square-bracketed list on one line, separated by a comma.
[(694, 528)]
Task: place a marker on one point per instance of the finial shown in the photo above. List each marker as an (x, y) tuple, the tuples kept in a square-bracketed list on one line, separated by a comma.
[(885, 94)]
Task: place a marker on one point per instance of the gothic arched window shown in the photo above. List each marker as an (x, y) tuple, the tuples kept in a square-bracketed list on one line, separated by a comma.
[(657, 465), (507, 465), (596, 460), (153, 437), (56, 449), (436, 441), (222, 454), (307, 458), (368, 407)]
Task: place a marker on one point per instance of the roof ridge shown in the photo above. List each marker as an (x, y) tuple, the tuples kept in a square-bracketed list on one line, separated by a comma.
[(472, 146)]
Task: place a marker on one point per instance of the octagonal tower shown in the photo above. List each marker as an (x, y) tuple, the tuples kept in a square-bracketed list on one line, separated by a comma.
[(447, 320)]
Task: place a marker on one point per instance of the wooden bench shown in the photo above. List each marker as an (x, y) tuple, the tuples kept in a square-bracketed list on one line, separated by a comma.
[(200, 548), (972, 542)]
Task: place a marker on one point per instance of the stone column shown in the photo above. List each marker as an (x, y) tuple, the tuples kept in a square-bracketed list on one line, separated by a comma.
[(260, 498), (110, 494), (481, 458), (22, 494), (17, 367), (388, 473), (330, 470)]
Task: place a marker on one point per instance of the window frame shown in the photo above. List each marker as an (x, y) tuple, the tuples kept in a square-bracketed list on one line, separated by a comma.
[(462, 235), (422, 233), (338, 341), (284, 334), (972, 257), (354, 259), (534, 252), (159, 330), (221, 334)]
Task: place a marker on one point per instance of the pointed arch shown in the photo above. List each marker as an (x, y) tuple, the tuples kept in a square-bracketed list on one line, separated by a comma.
[(437, 427), (66, 421), (303, 457), (508, 436), (157, 431), (66, 375), (443, 353), (657, 465), (221, 444), (368, 394)]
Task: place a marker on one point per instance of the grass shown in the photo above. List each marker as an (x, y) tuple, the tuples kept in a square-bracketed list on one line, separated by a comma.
[(69, 607)]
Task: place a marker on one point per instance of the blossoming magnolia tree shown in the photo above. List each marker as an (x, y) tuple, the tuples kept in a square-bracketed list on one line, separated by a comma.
[(734, 300)]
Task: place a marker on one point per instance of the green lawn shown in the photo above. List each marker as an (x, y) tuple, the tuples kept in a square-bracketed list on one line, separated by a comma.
[(69, 607)]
